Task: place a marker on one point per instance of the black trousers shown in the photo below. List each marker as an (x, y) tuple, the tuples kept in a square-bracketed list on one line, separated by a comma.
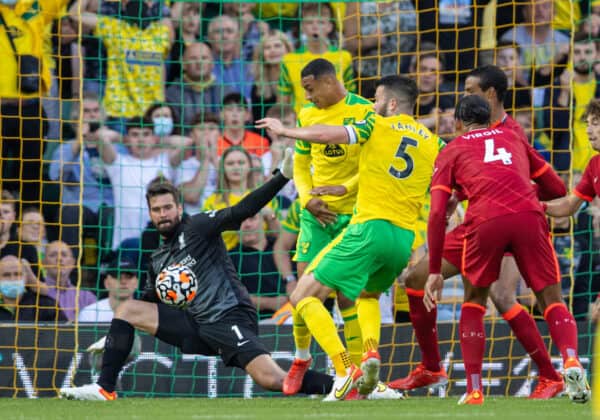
[(22, 134)]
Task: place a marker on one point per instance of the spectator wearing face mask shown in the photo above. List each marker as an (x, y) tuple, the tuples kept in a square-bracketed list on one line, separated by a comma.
[(19, 304), (136, 47), (165, 120)]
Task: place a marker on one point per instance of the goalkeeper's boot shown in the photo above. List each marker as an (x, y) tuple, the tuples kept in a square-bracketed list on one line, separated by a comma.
[(293, 380), (578, 388), (342, 385), (384, 392), (547, 388), (91, 392), (471, 398), (419, 378), (371, 362)]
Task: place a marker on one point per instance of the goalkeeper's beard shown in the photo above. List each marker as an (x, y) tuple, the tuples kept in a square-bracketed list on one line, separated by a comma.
[(167, 229)]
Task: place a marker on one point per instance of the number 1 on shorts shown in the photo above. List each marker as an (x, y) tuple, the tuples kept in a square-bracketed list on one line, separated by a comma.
[(237, 332)]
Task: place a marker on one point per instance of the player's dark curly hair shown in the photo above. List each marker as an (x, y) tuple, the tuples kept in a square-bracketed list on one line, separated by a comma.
[(403, 88), (592, 109), (472, 109), (491, 76), (317, 68), (160, 186)]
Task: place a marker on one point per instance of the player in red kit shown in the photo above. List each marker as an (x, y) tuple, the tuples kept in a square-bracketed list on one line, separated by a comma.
[(588, 187), (490, 83), (493, 170)]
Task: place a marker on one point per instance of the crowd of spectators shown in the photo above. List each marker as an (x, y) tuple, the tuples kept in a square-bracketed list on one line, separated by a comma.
[(168, 89)]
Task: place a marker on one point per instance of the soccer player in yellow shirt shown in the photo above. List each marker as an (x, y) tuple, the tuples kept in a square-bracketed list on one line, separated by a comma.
[(326, 177), (395, 170)]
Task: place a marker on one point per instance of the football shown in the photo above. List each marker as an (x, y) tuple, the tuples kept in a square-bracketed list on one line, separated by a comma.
[(176, 285)]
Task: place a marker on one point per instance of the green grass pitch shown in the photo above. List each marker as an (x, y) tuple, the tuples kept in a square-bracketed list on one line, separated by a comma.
[(290, 408)]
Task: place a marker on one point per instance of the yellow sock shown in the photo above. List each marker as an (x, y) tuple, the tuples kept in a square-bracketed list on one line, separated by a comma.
[(301, 336), (352, 334), (341, 363), (321, 326), (369, 317)]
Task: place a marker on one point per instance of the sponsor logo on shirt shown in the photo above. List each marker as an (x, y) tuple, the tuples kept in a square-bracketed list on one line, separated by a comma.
[(334, 151), (143, 58)]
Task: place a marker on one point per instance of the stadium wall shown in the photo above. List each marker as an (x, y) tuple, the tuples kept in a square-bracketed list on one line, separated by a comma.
[(32, 367)]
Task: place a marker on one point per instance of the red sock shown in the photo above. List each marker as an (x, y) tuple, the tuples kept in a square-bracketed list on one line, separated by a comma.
[(563, 329), (472, 342), (425, 327), (526, 331)]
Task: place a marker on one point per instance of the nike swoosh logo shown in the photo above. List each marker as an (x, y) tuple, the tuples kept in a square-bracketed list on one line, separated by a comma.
[(241, 343), (340, 392), (352, 338)]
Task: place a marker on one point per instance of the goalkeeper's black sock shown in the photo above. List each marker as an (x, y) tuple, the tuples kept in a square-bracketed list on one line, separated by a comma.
[(118, 345), (316, 383)]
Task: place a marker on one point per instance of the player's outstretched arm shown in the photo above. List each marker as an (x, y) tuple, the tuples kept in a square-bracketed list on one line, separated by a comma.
[(324, 134), (565, 206), (436, 232), (549, 185), (436, 227)]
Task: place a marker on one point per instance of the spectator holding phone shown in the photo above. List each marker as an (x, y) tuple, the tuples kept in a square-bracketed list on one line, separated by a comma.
[(66, 168)]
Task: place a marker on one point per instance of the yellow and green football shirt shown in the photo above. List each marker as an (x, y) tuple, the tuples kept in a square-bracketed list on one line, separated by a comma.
[(290, 81), (396, 166), (316, 165), (135, 65), (292, 219)]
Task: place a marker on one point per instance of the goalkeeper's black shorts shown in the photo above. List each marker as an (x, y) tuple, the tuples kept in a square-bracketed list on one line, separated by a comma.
[(233, 337)]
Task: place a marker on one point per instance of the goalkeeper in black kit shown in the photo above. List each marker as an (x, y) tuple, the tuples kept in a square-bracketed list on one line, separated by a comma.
[(220, 320)]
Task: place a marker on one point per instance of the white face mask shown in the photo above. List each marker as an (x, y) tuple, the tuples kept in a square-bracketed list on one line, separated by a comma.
[(12, 289), (163, 126)]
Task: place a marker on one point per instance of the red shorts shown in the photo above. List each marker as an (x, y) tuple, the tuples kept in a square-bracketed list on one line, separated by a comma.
[(453, 246), (526, 236)]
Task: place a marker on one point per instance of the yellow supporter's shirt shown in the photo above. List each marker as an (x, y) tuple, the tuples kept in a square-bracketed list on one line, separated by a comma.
[(215, 202), (331, 164), (396, 166), (135, 65), (293, 63), (582, 150), (566, 14), (27, 22)]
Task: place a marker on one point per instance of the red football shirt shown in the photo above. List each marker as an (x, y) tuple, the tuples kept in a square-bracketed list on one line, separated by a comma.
[(493, 171), (589, 187), (508, 122)]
